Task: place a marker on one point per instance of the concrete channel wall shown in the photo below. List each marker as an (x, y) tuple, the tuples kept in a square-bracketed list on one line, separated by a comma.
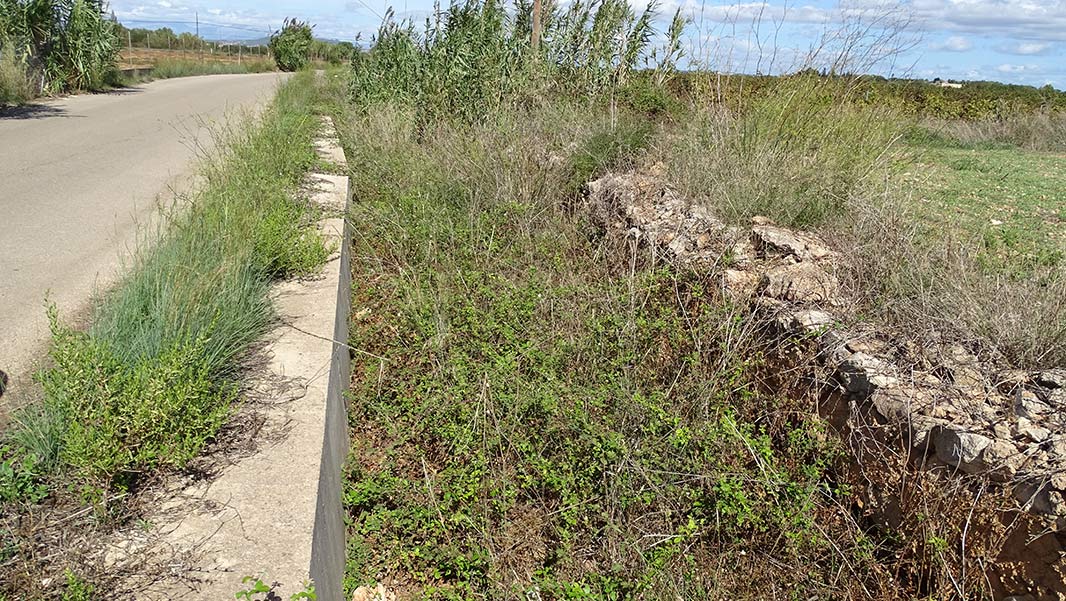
[(272, 509), (327, 547)]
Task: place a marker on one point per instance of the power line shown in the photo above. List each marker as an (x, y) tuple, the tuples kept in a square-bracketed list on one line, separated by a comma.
[(161, 22), (367, 6)]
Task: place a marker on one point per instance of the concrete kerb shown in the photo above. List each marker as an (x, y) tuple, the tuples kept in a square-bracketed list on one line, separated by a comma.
[(328, 539), (277, 513)]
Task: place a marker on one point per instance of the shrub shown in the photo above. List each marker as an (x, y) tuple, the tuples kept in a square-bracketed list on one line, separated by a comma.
[(291, 45), (20, 476), (15, 84), (615, 146), (122, 421)]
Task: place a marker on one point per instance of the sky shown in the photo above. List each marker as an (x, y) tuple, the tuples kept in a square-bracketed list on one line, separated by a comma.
[(1013, 41)]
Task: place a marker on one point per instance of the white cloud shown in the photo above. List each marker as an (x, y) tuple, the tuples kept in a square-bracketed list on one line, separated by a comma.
[(1026, 48), (1032, 20), (1020, 19), (955, 43), (1017, 69)]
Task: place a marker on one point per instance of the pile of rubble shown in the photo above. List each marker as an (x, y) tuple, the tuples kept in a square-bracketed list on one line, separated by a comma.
[(955, 412)]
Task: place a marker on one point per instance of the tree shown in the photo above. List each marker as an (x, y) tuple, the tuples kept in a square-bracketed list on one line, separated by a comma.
[(291, 45)]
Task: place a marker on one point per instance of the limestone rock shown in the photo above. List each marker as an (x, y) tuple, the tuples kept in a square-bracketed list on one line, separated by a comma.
[(805, 321), (742, 252), (1056, 398), (771, 239), (863, 374), (799, 282), (656, 215), (1040, 497), (960, 449), (1002, 460), (738, 282), (1052, 378), (1058, 481), (1032, 431), (963, 367), (1029, 406), (899, 405), (922, 428), (870, 346), (1008, 425), (377, 593)]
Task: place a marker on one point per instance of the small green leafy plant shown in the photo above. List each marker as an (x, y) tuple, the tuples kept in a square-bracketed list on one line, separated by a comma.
[(19, 477), (256, 586)]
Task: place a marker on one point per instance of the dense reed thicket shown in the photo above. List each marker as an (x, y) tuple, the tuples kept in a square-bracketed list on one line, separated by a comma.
[(476, 57), (50, 46)]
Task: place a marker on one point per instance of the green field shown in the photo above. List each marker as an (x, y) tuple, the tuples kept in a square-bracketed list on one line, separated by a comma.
[(1014, 200)]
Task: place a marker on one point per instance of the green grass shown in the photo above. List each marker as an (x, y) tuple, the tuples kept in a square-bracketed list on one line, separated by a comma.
[(153, 378), (543, 419), (185, 68), (974, 188)]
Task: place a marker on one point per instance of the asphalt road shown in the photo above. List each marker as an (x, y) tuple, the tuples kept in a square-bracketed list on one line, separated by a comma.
[(78, 176)]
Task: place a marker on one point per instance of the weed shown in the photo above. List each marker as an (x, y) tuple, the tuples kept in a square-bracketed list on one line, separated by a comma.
[(307, 594), (38, 432), (613, 147), (291, 45), (799, 154), (70, 44), (1041, 130), (934, 241), (122, 420), (255, 586), (77, 589), (547, 420), (589, 49), (551, 419), (20, 477)]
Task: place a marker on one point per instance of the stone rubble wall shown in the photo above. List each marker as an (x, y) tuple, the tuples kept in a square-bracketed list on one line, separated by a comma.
[(952, 409)]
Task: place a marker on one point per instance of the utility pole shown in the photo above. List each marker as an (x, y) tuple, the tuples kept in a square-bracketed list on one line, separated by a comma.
[(129, 42), (197, 16), (149, 38), (535, 41)]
